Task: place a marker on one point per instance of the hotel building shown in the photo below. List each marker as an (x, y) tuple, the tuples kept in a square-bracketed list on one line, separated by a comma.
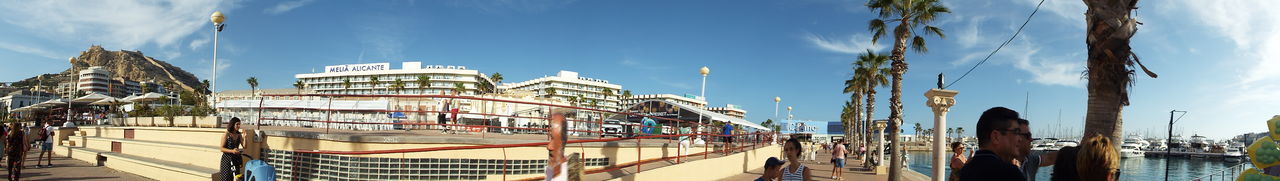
[(442, 79), (730, 110), (568, 84), (97, 80)]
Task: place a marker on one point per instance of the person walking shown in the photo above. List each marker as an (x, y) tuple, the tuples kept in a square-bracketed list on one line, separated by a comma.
[(794, 171), (231, 150), (46, 145), (16, 146), (728, 138), (837, 161)]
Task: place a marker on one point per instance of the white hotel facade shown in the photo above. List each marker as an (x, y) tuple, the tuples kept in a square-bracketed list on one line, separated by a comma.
[(568, 84), (442, 79)]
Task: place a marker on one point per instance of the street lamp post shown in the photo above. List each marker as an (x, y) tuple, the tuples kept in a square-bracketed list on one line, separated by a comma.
[(776, 100), (217, 19), (789, 116), (704, 71)]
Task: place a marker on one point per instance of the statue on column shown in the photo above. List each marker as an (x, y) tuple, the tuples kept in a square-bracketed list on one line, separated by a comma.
[(940, 81)]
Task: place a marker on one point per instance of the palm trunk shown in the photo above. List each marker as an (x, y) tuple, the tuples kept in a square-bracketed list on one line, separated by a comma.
[(899, 67), (870, 120), (1110, 28)]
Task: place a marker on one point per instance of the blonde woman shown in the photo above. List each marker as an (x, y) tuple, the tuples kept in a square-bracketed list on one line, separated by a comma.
[(1098, 160)]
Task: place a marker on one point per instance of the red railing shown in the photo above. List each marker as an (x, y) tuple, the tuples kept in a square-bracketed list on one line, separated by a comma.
[(759, 137)]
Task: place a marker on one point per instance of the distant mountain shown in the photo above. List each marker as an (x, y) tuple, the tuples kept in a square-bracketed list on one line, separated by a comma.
[(132, 65)]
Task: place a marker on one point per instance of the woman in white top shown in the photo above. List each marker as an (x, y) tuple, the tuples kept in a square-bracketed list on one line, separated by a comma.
[(794, 171)]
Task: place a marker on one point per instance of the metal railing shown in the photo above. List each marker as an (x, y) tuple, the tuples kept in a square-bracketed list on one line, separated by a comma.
[(1229, 173), (747, 140)]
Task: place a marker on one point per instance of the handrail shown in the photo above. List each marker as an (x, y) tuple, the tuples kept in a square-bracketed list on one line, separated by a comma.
[(449, 148), (1224, 172)]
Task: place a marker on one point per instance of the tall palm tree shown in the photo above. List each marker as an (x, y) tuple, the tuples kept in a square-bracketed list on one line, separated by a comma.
[(346, 85), (855, 87), (423, 83), (607, 92), (848, 119), (1110, 64), (373, 83), (204, 87), (253, 85), (871, 73), (949, 131), (299, 85), (912, 17), (397, 85), (960, 132), (497, 78)]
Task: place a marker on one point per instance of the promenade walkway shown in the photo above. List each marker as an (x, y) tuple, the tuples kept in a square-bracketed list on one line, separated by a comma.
[(70, 169), (821, 170)]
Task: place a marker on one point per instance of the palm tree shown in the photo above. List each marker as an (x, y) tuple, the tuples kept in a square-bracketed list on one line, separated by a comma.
[(253, 85), (1110, 65), (551, 92), (397, 85), (626, 94), (918, 129), (855, 87), (960, 133), (346, 85), (496, 77), (423, 83), (373, 83), (146, 88), (949, 131), (204, 87), (848, 118), (299, 85), (912, 16), (870, 74), (458, 88)]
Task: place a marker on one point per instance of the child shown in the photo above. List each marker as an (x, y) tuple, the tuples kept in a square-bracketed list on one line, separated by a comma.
[(772, 169)]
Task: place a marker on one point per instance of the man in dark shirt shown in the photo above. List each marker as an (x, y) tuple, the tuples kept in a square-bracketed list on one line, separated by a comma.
[(998, 139)]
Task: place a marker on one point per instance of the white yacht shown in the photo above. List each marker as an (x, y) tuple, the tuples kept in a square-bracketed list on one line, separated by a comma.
[(1129, 150), (1234, 154), (1157, 145), (1199, 143), (1140, 143), (1177, 144)]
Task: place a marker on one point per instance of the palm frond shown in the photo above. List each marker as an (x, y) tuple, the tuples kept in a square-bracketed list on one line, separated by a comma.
[(934, 30), (918, 45), (876, 26)]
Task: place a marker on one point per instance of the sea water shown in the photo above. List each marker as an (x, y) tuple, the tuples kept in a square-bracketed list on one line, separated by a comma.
[(1138, 168)]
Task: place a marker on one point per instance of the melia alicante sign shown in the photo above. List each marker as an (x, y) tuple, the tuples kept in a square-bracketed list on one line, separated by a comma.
[(357, 67)]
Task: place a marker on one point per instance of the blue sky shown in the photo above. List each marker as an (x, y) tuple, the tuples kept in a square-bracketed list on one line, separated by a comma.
[(1218, 60)]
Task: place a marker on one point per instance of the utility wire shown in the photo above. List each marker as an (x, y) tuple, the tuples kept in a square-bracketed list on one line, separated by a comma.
[(1006, 42)]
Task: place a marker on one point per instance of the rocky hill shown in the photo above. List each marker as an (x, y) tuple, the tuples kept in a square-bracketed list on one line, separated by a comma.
[(129, 64)]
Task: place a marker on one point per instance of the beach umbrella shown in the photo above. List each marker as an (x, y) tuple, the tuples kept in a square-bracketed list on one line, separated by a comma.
[(51, 103), (109, 101)]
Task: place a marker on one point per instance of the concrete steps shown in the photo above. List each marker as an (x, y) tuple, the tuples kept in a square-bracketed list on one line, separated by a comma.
[(152, 153)]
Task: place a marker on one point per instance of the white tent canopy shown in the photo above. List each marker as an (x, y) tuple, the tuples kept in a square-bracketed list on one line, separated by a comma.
[(109, 101), (146, 97), (90, 98), (50, 103), (718, 117)]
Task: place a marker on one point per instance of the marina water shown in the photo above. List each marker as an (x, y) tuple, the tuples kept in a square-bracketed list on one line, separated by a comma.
[(1139, 168)]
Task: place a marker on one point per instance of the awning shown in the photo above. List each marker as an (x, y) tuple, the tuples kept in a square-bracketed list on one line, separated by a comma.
[(51, 103), (147, 97)]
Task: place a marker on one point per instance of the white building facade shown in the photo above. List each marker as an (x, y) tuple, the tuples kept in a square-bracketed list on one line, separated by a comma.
[(568, 84), (442, 79), (730, 110)]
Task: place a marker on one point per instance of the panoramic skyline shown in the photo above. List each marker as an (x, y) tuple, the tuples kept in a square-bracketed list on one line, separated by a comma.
[(1216, 60)]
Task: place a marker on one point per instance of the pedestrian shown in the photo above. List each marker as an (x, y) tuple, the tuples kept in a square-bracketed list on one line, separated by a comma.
[(837, 159), (231, 150), (728, 138), (557, 168), (794, 171), (1098, 160), (998, 135), (1065, 167), (46, 145), (957, 160), (813, 151), (772, 169), (1029, 161), (16, 145)]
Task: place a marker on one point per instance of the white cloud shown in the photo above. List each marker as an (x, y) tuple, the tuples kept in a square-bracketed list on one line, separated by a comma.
[(517, 6), (971, 33), (286, 6), (125, 24), (200, 42), (1069, 12), (30, 50), (1045, 69), (852, 44), (205, 64), (1252, 26), (633, 63)]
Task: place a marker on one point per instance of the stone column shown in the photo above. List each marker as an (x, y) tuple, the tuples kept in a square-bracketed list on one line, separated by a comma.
[(941, 101), (879, 148)]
